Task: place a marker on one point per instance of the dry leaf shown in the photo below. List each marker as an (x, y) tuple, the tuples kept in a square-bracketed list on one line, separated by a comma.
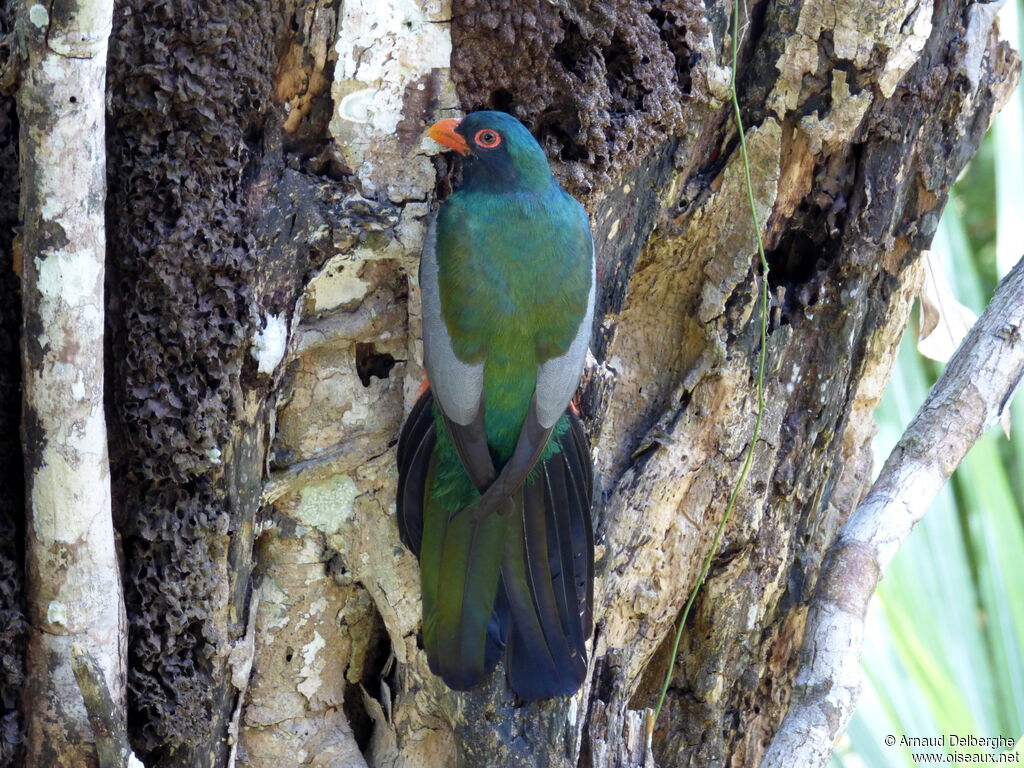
[(944, 320)]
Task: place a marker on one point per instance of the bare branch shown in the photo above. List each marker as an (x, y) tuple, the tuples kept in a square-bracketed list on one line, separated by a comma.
[(964, 404), (105, 717)]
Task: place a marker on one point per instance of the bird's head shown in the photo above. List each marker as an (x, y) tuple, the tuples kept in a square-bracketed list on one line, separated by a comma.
[(500, 152)]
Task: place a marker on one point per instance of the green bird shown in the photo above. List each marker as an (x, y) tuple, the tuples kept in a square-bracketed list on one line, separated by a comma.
[(495, 476)]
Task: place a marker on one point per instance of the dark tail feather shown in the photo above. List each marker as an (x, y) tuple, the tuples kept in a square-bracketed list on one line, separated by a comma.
[(548, 575), (538, 657), (415, 451), (497, 630), (562, 552)]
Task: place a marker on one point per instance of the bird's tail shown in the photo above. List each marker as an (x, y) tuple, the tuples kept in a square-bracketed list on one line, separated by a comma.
[(518, 581)]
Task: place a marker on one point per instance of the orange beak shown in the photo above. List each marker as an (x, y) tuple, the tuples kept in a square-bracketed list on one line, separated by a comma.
[(443, 132)]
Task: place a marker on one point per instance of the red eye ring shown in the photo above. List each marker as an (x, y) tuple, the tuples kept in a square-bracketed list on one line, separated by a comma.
[(487, 138)]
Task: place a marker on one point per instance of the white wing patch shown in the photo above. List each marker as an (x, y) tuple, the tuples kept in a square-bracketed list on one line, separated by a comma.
[(457, 386), (558, 377)]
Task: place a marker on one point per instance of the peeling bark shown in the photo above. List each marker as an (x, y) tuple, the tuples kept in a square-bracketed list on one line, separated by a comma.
[(73, 580)]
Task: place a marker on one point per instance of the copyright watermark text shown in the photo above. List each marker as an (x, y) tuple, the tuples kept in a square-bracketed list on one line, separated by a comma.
[(957, 749)]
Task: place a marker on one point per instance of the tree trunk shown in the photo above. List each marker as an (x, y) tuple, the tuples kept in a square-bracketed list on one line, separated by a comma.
[(72, 574), (269, 193), (12, 467)]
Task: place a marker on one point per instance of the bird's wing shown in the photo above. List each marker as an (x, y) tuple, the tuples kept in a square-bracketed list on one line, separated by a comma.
[(457, 387), (558, 377), (415, 464)]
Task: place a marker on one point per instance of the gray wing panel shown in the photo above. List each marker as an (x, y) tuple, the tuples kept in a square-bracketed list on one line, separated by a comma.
[(457, 386), (558, 377)]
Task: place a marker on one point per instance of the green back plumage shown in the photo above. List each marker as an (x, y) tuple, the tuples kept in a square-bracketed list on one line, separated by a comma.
[(514, 267)]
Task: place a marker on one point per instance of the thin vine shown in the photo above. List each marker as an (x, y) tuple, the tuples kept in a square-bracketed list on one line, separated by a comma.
[(749, 459)]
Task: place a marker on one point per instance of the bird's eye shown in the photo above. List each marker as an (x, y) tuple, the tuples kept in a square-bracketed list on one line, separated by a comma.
[(487, 138)]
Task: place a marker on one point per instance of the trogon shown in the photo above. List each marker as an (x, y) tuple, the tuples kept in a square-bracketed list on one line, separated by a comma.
[(495, 476)]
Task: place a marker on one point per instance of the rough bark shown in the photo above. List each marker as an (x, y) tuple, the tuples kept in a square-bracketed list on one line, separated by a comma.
[(12, 486), (269, 194), (967, 401), (859, 124), (72, 574)]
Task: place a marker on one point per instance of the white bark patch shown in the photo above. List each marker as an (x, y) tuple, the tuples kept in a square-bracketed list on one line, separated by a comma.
[(310, 668), (57, 614), (385, 51), (38, 15), (337, 285), (68, 275), (979, 21), (358, 106), (270, 344)]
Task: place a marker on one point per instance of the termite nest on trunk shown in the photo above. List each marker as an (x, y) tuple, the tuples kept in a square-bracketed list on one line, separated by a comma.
[(600, 85), (189, 101)]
